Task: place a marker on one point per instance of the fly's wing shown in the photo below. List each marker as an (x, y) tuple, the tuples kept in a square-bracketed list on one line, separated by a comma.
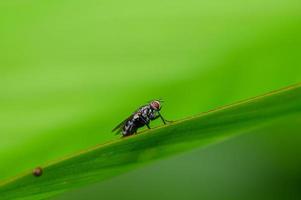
[(119, 127)]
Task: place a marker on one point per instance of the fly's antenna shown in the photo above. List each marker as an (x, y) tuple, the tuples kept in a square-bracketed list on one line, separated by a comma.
[(159, 99)]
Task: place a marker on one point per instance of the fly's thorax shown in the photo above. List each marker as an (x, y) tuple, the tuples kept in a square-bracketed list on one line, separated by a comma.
[(144, 111), (136, 115)]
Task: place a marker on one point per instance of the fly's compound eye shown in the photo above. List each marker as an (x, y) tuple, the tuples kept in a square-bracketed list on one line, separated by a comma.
[(155, 105)]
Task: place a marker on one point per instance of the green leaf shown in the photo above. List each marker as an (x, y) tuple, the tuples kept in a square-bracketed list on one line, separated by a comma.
[(116, 157)]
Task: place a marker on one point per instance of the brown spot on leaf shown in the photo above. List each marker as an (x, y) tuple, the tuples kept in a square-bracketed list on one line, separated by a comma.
[(37, 171)]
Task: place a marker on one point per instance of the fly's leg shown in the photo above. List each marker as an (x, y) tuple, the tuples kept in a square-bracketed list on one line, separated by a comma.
[(145, 122), (162, 118), (134, 130)]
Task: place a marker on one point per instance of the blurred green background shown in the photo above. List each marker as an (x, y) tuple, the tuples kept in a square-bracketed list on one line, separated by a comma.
[(71, 70)]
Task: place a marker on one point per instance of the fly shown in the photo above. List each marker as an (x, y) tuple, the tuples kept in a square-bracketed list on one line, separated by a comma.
[(141, 117)]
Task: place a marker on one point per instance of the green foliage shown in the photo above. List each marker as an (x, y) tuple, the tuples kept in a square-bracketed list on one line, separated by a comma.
[(71, 70), (116, 157)]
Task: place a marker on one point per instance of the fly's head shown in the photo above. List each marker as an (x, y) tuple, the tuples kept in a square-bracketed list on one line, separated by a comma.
[(155, 105)]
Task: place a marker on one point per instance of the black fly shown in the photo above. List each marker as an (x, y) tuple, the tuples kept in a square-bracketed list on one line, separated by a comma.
[(140, 118)]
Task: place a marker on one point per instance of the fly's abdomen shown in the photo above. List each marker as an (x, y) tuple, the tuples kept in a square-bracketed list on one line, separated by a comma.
[(128, 127)]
